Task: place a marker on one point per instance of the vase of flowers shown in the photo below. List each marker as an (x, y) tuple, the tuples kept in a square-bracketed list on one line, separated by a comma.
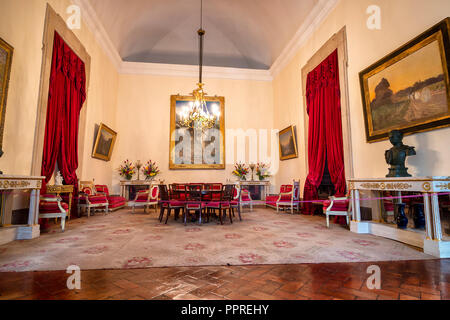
[(262, 171), (150, 170), (240, 171), (126, 170)]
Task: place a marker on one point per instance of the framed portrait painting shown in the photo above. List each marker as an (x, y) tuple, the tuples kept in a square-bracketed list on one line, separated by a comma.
[(6, 53), (196, 148), (105, 139), (408, 90), (288, 143)]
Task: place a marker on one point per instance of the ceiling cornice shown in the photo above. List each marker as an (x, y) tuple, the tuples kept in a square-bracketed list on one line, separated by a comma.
[(314, 19), (319, 13)]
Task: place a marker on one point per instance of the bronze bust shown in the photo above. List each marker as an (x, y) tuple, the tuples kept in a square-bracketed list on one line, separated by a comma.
[(396, 156)]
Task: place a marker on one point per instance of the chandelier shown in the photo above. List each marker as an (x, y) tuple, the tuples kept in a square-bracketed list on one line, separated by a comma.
[(197, 115)]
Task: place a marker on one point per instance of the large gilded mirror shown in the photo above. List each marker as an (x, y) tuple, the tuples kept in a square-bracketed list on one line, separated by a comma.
[(196, 148)]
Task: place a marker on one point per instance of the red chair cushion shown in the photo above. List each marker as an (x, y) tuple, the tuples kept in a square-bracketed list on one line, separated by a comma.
[(272, 198), (52, 207), (338, 205), (94, 199), (217, 204)]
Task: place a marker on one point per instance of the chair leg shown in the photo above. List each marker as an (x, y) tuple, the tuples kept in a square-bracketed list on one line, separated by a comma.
[(220, 216), (229, 213), (161, 214), (63, 223), (106, 210), (239, 213), (88, 211), (328, 221), (185, 214), (168, 214)]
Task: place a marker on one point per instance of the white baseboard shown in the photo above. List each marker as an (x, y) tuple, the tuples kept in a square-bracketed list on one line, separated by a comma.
[(440, 249)]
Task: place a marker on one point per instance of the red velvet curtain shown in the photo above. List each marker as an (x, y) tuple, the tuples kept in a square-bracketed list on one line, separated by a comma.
[(325, 129), (67, 93)]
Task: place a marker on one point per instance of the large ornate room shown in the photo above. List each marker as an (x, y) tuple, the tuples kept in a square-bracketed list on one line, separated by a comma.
[(225, 150)]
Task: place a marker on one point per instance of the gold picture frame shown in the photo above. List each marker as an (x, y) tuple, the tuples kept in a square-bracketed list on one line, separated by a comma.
[(178, 160), (6, 54), (287, 142), (409, 89), (104, 143)]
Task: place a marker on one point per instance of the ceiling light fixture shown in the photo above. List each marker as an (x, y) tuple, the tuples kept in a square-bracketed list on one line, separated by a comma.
[(197, 115)]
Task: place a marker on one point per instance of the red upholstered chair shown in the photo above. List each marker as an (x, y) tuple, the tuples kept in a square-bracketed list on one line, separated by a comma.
[(169, 201), (287, 198), (146, 198), (193, 201), (245, 199), (115, 201), (224, 203), (89, 199), (337, 206), (51, 206)]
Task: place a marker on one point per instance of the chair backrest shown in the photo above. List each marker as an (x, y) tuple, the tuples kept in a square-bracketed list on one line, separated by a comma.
[(163, 192), (87, 187), (285, 188), (154, 192), (102, 188), (194, 192), (228, 192), (176, 190)]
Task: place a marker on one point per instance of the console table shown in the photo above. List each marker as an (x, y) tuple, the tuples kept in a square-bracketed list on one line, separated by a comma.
[(8, 184), (431, 239), (126, 184), (262, 185)]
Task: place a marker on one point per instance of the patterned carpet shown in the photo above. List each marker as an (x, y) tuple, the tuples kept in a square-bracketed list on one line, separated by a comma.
[(125, 240)]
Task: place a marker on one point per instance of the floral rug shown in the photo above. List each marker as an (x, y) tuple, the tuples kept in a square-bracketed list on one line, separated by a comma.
[(125, 240)]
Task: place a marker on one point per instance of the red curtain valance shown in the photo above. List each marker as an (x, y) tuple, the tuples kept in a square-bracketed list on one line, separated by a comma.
[(325, 129)]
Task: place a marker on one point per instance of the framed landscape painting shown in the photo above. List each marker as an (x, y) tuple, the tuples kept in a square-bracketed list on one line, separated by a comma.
[(288, 143), (6, 53), (408, 90), (105, 139), (196, 148)]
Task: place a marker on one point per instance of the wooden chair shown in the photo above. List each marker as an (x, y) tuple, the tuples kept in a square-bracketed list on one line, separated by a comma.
[(168, 202), (223, 204), (193, 201), (146, 198)]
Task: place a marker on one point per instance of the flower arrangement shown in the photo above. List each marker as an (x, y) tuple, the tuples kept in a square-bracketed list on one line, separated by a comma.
[(127, 170), (150, 170), (240, 170), (261, 171)]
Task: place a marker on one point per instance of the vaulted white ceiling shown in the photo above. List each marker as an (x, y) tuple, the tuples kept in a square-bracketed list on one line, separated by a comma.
[(239, 33)]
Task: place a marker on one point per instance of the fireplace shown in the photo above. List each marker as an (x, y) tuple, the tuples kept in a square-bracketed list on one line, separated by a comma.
[(326, 188)]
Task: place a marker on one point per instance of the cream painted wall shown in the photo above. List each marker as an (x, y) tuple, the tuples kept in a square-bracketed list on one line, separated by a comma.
[(143, 119), (22, 26), (402, 20)]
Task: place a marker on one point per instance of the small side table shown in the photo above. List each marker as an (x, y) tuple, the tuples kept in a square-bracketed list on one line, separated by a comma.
[(62, 189)]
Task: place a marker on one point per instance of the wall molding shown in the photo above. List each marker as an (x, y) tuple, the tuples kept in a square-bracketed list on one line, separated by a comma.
[(319, 13), (177, 70)]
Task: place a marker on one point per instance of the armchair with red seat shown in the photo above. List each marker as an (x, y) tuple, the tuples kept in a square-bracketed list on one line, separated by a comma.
[(243, 197), (337, 206), (286, 199), (115, 201), (89, 199), (147, 198), (52, 206)]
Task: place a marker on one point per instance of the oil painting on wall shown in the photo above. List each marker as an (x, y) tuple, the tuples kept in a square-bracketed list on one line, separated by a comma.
[(409, 89), (196, 148), (6, 52), (288, 144), (105, 139)]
